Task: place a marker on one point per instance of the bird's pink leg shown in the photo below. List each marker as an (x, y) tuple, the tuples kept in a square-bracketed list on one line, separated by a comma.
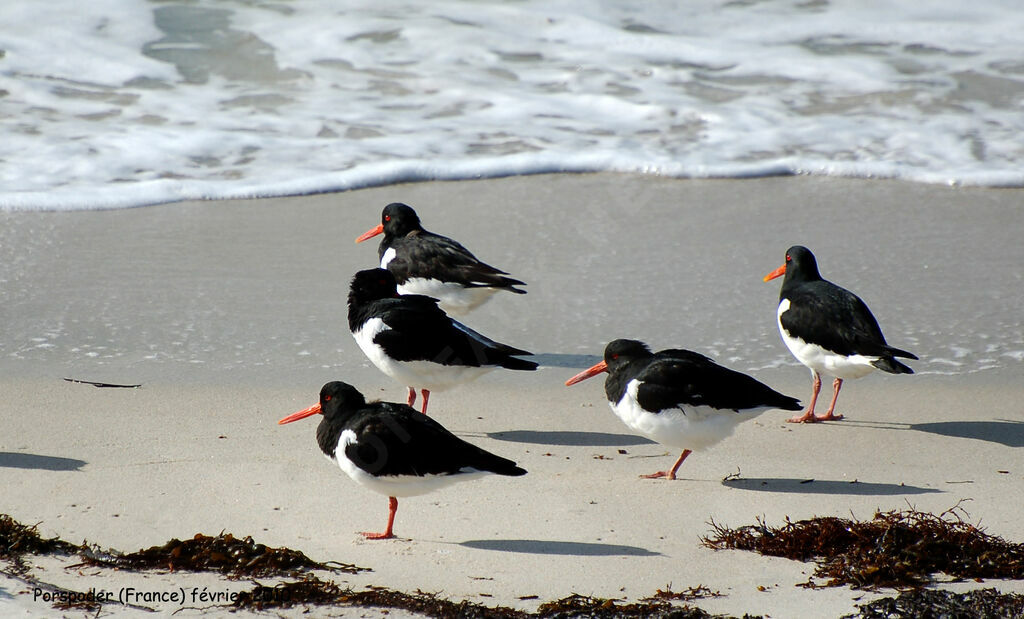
[(837, 384), (808, 416), (388, 533), (671, 473), (426, 396), (412, 396)]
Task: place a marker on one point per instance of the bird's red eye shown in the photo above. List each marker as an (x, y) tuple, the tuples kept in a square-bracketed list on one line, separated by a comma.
[(387, 218), (615, 356), (788, 259), (327, 398)]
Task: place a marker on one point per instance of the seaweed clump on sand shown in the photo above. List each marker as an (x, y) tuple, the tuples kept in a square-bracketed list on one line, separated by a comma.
[(896, 549), (699, 592), (315, 592), (17, 540), (223, 553), (584, 606), (931, 603)]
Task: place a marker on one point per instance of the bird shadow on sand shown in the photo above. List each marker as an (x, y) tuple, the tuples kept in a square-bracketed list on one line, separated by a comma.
[(1007, 432), (550, 547), (1003, 431), (35, 461), (569, 439), (823, 486), (560, 360)]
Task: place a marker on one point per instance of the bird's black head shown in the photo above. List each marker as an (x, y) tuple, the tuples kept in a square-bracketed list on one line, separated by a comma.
[(800, 264), (399, 220), (620, 352), (616, 355), (371, 285), (337, 401), (338, 398)]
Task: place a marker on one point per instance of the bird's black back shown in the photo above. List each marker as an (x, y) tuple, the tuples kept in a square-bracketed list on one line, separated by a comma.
[(420, 331), (677, 377), (394, 439), (421, 253)]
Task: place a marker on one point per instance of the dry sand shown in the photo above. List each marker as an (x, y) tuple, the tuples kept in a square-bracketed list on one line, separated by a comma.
[(232, 314)]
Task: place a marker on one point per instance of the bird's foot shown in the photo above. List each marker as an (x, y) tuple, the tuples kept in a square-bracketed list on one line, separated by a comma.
[(808, 417), (670, 475), (829, 417), (384, 535)]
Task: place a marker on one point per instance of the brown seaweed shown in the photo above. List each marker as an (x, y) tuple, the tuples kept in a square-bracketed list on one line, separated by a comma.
[(586, 606), (931, 603), (693, 593), (224, 553), (898, 549), (202, 553), (314, 592), (17, 539)]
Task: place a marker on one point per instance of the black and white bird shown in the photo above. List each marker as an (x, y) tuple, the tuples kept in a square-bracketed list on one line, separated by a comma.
[(829, 329), (434, 265), (409, 338), (679, 398), (393, 450)]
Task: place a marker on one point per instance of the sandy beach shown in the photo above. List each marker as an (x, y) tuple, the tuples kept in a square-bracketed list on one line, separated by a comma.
[(230, 315)]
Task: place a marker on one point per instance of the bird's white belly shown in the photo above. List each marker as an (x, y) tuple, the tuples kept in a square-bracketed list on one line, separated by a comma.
[(820, 360), (397, 485), (453, 298), (690, 427), (419, 374)]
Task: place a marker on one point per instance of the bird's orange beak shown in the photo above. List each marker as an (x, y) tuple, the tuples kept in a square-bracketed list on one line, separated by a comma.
[(306, 412), (594, 370), (369, 234), (777, 272)]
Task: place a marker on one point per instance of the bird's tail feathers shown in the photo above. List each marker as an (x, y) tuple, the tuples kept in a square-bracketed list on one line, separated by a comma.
[(497, 465), (896, 352), (513, 363), (891, 365), (787, 403)]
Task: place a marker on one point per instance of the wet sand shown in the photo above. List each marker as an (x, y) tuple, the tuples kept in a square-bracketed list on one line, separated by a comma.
[(232, 314)]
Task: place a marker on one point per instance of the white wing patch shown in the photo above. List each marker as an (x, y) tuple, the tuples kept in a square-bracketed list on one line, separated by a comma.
[(389, 255)]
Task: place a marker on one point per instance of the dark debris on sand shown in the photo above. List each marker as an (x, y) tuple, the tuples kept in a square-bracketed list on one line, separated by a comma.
[(17, 540), (314, 592), (224, 553), (987, 603), (693, 593), (898, 549)]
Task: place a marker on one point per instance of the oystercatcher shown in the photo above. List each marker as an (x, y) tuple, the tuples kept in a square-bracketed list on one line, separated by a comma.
[(434, 265), (409, 338), (678, 397), (829, 329), (392, 449)]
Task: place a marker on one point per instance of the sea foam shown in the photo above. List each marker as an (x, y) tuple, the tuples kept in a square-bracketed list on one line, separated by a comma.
[(112, 104)]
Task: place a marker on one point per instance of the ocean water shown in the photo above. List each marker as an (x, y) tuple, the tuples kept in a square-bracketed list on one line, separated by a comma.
[(121, 103)]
